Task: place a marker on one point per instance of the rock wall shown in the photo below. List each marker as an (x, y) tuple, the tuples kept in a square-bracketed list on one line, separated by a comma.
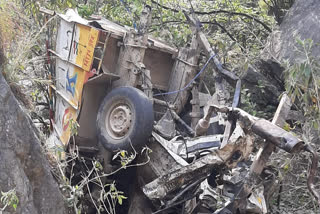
[(264, 79), (22, 163), (302, 20)]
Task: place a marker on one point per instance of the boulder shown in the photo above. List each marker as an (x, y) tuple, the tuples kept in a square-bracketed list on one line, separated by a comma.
[(23, 166), (264, 78), (302, 21)]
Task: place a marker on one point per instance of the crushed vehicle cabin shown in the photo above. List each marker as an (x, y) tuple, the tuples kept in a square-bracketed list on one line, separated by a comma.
[(127, 90)]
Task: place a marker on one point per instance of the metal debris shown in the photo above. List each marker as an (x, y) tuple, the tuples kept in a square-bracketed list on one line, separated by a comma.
[(205, 168)]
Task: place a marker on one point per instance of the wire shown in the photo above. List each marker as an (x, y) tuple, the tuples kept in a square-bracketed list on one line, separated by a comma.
[(187, 86)]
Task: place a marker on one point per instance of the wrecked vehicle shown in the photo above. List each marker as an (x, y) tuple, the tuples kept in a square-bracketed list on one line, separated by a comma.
[(127, 90)]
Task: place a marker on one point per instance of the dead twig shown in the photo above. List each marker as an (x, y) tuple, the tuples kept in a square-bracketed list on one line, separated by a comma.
[(312, 173)]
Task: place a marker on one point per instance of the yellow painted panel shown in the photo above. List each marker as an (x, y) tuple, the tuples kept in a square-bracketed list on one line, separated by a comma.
[(73, 77), (69, 114), (84, 32), (89, 37), (92, 41)]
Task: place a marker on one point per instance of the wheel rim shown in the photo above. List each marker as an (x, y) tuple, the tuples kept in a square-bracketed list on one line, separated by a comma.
[(119, 120)]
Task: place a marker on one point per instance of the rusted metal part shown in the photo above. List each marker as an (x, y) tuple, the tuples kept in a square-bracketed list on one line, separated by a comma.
[(278, 119), (239, 149), (172, 201), (240, 201), (146, 83), (134, 46), (267, 130), (182, 74), (178, 119), (220, 98), (132, 53), (203, 125), (195, 102), (206, 142), (237, 94), (166, 125), (176, 204), (187, 63), (163, 185), (102, 79), (103, 50), (209, 51), (164, 103), (243, 116), (167, 145), (312, 173), (228, 127), (162, 161), (278, 136), (222, 93), (190, 147), (240, 143)]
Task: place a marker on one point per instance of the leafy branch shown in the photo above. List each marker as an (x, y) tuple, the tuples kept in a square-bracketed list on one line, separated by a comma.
[(217, 12), (303, 82), (9, 199)]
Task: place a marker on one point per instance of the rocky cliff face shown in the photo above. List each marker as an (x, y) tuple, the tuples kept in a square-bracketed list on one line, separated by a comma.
[(302, 21), (22, 163), (265, 78)]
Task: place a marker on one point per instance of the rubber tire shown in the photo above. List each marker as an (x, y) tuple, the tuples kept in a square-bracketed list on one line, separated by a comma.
[(142, 125)]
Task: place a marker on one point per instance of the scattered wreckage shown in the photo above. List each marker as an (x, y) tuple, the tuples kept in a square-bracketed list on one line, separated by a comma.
[(127, 89)]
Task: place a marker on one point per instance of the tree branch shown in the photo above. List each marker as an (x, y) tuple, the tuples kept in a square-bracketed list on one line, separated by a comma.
[(165, 7), (210, 23), (234, 14), (222, 28), (171, 21), (217, 12)]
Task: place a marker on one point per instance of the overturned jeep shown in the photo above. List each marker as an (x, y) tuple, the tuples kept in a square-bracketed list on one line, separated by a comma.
[(128, 90)]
